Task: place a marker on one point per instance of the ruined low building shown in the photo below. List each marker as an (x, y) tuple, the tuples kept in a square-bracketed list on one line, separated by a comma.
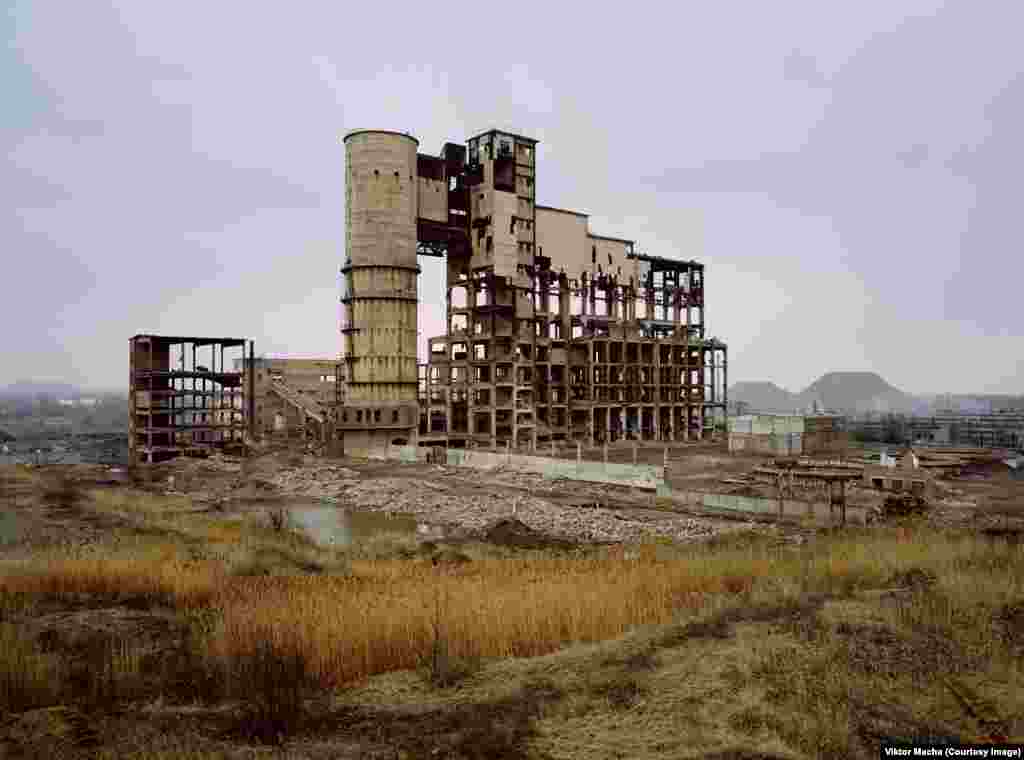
[(902, 479), (294, 398)]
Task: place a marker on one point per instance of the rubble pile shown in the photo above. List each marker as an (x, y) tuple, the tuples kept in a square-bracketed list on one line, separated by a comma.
[(315, 482), (475, 510)]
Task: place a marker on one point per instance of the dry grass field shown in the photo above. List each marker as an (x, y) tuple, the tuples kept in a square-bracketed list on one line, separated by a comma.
[(180, 633)]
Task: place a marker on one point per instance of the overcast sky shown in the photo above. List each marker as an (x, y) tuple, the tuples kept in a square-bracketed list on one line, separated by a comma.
[(850, 173)]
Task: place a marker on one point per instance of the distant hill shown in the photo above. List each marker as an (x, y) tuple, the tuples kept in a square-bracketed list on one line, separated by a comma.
[(33, 388), (763, 396), (856, 392), (835, 391)]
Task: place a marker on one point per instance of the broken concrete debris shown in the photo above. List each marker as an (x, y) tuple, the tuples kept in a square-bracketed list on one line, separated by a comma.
[(459, 503)]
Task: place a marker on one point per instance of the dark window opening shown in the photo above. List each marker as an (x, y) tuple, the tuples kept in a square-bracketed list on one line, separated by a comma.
[(505, 174)]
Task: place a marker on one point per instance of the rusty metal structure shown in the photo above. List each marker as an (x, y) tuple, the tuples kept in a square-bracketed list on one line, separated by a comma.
[(552, 332), (183, 398)]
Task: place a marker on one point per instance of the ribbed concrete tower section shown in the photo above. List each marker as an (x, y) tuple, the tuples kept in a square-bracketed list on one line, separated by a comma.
[(380, 288)]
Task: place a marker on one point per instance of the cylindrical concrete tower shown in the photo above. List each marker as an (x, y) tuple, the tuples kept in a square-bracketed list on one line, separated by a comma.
[(380, 293)]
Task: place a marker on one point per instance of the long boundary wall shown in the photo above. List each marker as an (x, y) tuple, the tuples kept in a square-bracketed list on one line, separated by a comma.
[(645, 477)]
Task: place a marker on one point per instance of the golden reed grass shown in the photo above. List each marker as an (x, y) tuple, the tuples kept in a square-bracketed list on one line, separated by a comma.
[(385, 614)]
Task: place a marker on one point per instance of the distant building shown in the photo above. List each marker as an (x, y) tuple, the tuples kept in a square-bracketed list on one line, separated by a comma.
[(787, 435)]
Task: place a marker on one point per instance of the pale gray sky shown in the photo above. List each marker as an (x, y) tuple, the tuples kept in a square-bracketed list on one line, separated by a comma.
[(849, 172)]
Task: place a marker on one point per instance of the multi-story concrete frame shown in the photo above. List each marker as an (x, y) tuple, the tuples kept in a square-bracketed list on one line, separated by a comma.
[(553, 332), (182, 398)]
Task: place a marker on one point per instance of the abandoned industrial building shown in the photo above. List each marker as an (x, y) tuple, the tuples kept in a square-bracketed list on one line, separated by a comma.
[(553, 332), (183, 398)]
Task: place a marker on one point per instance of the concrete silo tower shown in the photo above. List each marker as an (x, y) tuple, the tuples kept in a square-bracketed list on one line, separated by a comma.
[(380, 289)]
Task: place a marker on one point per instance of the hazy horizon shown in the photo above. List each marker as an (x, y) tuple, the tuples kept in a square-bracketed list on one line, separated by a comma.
[(849, 174), (795, 391)]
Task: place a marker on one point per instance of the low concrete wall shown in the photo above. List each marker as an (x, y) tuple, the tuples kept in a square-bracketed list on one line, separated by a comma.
[(644, 477), (755, 505)]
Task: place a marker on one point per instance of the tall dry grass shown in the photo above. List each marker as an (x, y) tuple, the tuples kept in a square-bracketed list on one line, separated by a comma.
[(389, 614), (165, 575)]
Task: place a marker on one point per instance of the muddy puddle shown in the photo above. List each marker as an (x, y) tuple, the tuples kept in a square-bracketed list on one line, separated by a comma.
[(10, 530), (331, 525)]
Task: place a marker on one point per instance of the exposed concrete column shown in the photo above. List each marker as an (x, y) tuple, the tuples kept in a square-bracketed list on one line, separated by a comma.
[(725, 385), (564, 315), (714, 389)]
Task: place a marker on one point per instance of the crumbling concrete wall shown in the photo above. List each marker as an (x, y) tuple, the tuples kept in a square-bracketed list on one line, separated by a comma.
[(633, 476)]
